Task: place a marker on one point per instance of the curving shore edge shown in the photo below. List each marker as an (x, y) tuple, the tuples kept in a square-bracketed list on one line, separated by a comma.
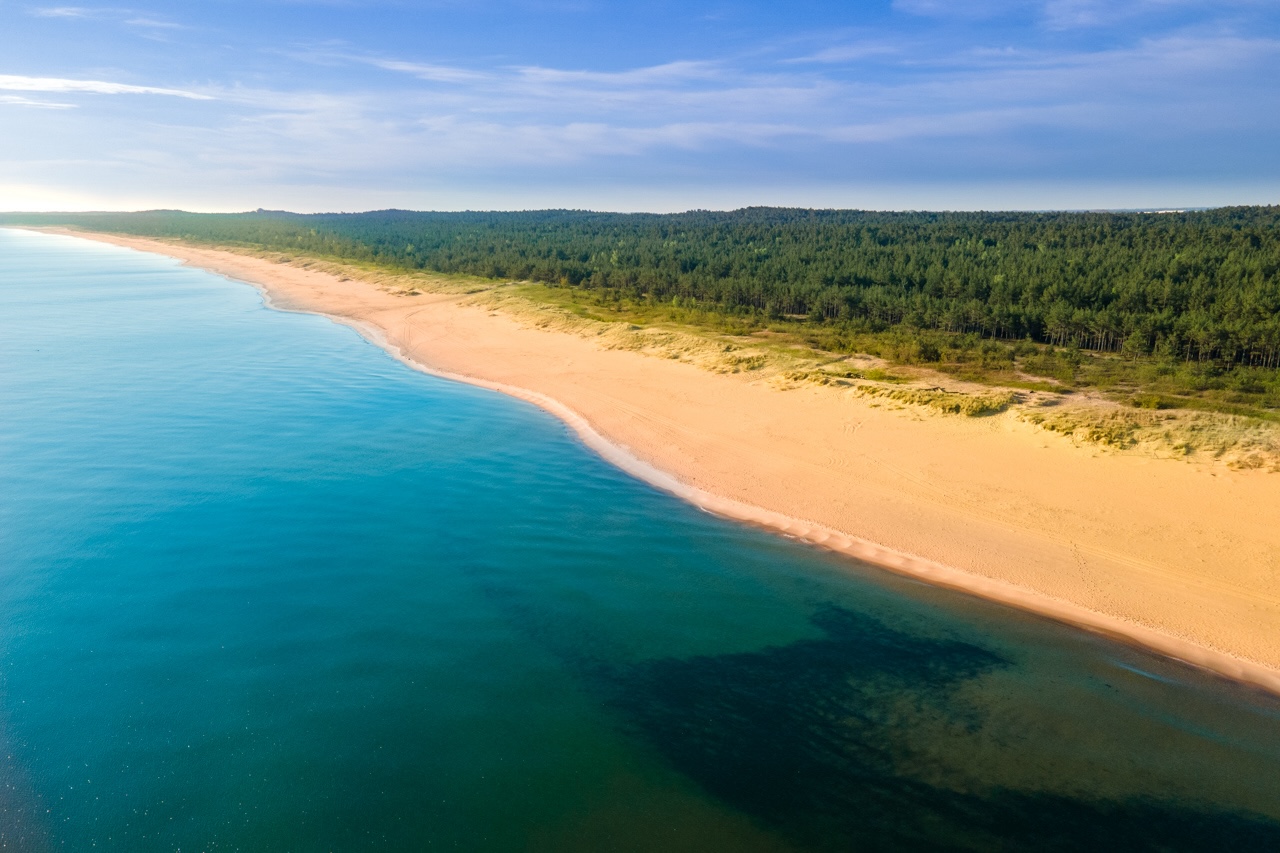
[(1113, 582)]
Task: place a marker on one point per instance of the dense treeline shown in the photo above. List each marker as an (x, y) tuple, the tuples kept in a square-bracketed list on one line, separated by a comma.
[(1195, 286)]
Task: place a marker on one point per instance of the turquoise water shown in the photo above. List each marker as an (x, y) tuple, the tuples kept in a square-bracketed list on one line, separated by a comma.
[(264, 588)]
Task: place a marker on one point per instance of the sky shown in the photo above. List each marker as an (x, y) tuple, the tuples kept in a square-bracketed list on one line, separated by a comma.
[(343, 105)]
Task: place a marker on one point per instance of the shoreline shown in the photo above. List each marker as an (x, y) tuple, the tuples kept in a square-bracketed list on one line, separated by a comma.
[(362, 306), (1222, 664)]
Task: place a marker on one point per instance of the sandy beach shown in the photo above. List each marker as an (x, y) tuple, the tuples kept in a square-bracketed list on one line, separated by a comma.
[(1181, 558)]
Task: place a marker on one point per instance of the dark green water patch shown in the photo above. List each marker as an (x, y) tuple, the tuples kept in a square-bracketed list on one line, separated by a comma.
[(813, 739)]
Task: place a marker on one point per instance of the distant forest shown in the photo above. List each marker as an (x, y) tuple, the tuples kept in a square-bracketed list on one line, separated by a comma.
[(1196, 286)]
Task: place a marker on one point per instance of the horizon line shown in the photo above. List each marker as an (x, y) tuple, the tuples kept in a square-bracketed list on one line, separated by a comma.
[(1153, 209)]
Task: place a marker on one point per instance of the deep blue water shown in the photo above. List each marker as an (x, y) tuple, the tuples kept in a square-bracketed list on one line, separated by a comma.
[(262, 587)]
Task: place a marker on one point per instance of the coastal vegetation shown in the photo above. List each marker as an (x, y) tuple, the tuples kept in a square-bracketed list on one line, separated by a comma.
[(1172, 319)]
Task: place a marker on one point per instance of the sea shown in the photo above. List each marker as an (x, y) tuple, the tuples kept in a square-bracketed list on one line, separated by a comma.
[(264, 587)]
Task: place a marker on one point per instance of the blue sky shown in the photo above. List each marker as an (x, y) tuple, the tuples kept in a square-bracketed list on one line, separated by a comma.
[(503, 104)]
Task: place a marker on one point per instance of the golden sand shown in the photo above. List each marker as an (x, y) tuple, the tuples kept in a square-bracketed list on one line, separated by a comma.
[(1182, 558)]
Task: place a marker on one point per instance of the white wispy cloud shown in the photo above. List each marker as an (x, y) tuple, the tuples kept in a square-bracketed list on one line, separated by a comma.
[(127, 17), (425, 71), (860, 99), (1068, 14), (449, 118), (1059, 14), (20, 101), (666, 74), (970, 9), (153, 24), (850, 52), (22, 83), (62, 12)]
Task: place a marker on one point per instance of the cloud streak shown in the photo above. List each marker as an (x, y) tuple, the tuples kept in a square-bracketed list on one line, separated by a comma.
[(62, 12), (970, 112), (128, 17), (1044, 95), (21, 83), (19, 101)]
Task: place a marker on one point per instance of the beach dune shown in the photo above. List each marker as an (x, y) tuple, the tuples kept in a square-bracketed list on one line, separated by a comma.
[(1180, 557)]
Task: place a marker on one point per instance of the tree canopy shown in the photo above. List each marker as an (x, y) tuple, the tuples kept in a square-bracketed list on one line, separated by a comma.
[(1198, 285)]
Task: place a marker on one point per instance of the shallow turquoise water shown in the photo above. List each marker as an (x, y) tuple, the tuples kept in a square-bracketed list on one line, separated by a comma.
[(263, 587)]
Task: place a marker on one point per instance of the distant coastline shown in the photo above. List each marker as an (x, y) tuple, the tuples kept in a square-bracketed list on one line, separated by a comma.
[(1181, 559)]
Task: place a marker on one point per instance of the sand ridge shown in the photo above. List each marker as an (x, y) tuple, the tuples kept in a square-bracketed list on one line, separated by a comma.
[(1181, 558)]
